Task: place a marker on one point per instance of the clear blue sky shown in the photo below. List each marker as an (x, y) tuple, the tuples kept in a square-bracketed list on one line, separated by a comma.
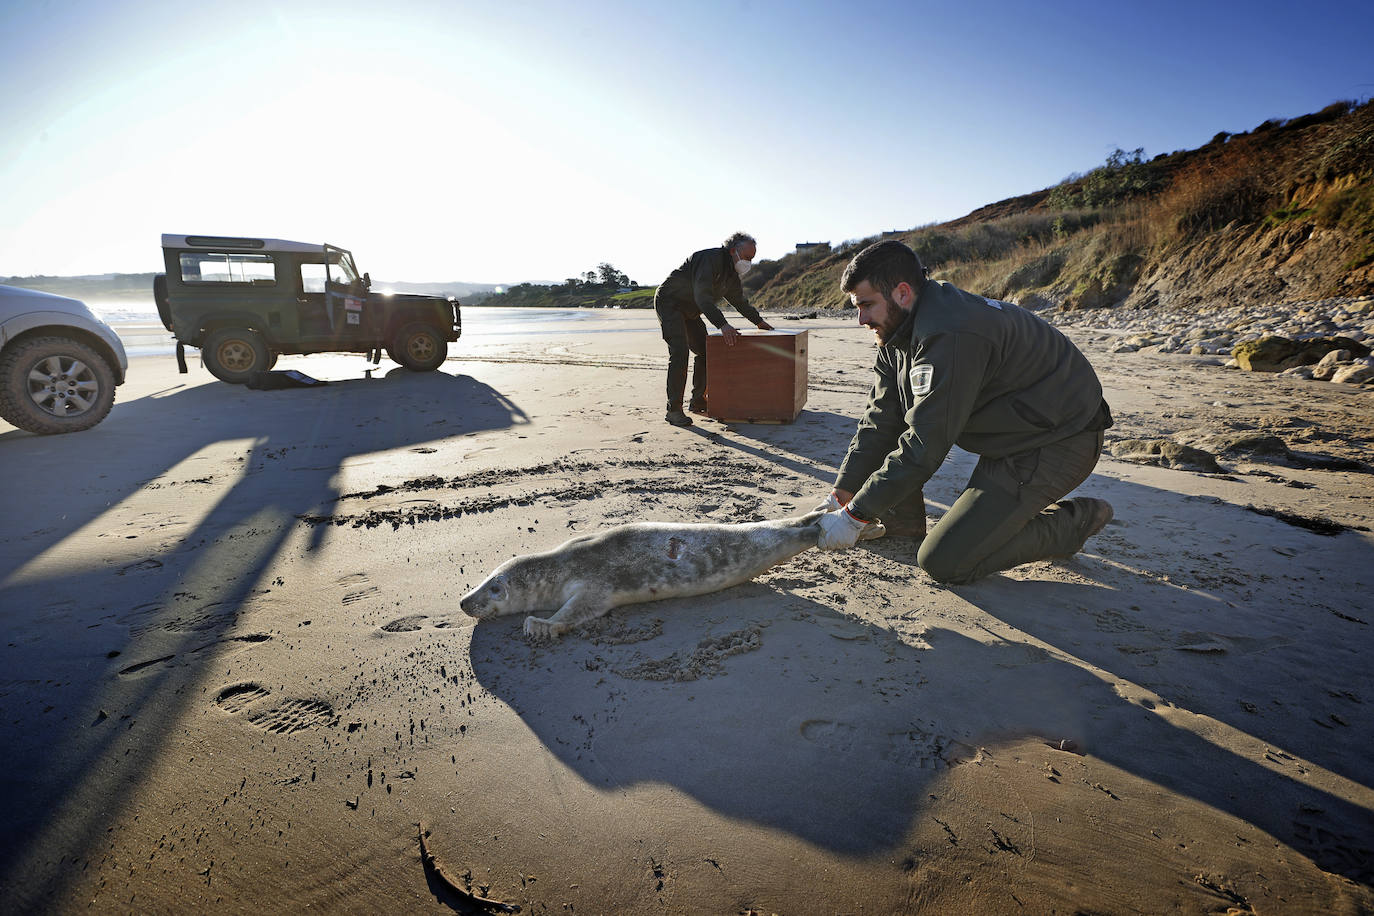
[(504, 141)]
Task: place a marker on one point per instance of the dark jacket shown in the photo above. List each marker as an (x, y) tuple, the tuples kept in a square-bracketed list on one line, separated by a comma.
[(706, 277), (963, 370)]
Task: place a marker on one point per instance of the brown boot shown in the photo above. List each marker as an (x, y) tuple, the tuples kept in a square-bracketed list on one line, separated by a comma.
[(905, 527), (676, 417), (907, 519)]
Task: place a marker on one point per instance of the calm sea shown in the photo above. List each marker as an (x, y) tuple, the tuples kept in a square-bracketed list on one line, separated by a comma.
[(142, 333)]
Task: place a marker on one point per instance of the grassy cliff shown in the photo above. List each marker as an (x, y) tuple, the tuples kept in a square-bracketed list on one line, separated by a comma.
[(1281, 213)]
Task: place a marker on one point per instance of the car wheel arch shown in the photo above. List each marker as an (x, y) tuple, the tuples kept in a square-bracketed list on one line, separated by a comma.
[(80, 335)]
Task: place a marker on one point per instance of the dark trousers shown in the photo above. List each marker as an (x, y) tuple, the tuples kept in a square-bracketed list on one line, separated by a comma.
[(1009, 513), (683, 335)]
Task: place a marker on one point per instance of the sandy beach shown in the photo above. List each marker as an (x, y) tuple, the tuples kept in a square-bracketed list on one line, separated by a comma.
[(236, 678)]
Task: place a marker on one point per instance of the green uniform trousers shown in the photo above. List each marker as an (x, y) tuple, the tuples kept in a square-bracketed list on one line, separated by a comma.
[(1009, 514)]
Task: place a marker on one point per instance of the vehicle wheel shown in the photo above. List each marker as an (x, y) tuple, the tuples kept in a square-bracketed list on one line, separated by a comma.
[(418, 347), (233, 354), (55, 385), (271, 359)]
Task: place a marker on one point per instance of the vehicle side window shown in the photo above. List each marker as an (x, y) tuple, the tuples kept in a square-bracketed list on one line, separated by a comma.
[(227, 267), (312, 278)]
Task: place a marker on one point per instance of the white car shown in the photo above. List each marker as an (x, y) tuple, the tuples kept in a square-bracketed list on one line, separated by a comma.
[(59, 363)]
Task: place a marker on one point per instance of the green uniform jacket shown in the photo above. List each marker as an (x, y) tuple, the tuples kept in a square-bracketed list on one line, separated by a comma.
[(706, 277), (963, 370)]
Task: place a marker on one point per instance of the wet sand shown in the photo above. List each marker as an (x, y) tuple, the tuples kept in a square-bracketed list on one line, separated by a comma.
[(236, 677)]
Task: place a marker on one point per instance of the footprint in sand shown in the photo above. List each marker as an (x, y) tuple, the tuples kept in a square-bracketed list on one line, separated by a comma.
[(142, 619), (909, 748), (788, 583), (916, 748), (362, 594), (137, 667), (140, 566), (295, 715), (211, 616), (405, 624), (289, 716), (837, 736), (1333, 850), (236, 697), (413, 622)]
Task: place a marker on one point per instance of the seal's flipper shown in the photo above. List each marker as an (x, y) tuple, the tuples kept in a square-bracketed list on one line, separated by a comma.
[(586, 604)]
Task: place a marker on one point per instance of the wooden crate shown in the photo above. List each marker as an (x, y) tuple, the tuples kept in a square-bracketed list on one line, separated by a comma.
[(761, 378)]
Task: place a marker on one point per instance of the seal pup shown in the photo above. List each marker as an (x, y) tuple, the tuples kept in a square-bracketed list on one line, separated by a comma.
[(582, 579)]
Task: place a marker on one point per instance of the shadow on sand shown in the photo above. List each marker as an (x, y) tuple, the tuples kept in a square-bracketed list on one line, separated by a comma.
[(82, 630)]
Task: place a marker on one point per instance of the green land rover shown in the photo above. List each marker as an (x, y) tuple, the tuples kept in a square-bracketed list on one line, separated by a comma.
[(245, 301)]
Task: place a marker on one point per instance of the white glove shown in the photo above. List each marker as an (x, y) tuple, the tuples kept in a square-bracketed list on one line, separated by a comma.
[(840, 530), (831, 502)]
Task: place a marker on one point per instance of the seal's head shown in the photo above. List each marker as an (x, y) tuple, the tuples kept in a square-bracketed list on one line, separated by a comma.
[(490, 599)]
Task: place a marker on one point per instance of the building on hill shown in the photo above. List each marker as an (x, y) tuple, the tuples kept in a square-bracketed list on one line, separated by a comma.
[(807, 246)]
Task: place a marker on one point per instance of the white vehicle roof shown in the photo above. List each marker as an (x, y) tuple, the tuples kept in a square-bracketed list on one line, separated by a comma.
[(242, 243)]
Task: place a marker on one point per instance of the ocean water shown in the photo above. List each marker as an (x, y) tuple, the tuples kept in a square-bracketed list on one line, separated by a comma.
[(139, 327)]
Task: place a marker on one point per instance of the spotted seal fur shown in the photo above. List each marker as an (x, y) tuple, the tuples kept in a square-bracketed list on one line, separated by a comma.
[(582, 579)]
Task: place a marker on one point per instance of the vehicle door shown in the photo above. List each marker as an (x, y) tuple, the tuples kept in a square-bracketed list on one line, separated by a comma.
[(345, 296)]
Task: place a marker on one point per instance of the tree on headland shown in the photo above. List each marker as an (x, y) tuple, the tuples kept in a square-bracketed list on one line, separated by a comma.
[(594, 287), (610, 276)]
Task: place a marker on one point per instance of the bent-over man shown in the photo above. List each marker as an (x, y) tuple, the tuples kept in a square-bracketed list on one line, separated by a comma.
[(691, 291), (958, 369)]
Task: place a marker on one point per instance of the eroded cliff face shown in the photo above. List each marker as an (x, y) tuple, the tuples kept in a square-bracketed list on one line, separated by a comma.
[(1290, 263), (1321, 247)]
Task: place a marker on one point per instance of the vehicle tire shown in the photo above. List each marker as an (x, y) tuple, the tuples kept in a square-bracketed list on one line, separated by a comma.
[(271, 359), (233, 354), (55, 385), (419, 347)]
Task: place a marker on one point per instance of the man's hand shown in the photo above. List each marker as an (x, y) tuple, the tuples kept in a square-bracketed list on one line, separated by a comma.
[(840, 530), (730, 334), (831, 503), (836, 499), (763, 325)]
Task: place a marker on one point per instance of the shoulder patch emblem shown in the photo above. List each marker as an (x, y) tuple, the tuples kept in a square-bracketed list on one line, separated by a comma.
[(922, 377), (993, 302)]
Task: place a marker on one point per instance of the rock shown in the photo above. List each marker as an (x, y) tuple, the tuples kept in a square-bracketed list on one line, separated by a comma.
[(1333, 357), (1034, 302), (1303, 372), (1356, 374), (1314, 349), (1165, 453), (1267, 354), (1328, 364), (1253, 446)]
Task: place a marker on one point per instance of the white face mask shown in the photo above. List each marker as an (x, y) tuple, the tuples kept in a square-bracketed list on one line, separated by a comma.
[(743, 266)]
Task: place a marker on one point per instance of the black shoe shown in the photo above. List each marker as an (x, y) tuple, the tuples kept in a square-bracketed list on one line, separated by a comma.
[(677, 418), (698, 405)]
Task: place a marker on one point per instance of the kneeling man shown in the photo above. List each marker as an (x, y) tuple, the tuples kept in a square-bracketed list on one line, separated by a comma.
[(958, 369)]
